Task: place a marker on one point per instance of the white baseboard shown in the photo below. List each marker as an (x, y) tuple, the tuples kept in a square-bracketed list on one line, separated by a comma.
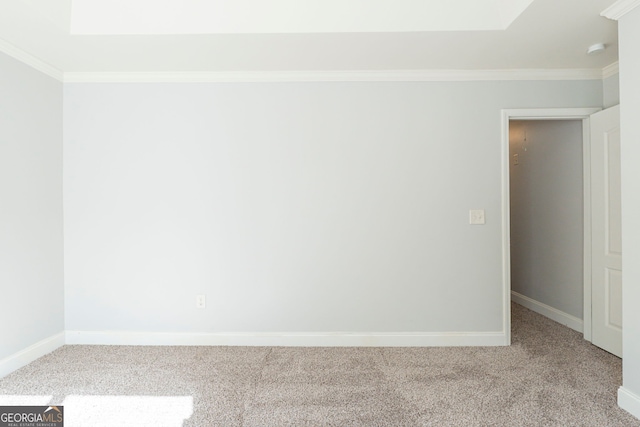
[(629, 401), (548, 311), (31, 353), (297, 339), (417, 339)]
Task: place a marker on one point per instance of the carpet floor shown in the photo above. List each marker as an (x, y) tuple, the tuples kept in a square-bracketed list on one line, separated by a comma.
[(549, 376)]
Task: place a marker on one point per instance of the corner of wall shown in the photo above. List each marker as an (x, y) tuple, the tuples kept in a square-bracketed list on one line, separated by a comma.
[(629, 401), (31, 353)]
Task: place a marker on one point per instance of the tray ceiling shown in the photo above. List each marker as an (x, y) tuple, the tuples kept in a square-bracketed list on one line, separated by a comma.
[(287, 16), (222, 36)]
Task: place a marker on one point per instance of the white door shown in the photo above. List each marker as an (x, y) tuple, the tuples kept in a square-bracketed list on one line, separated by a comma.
[(606, 232)]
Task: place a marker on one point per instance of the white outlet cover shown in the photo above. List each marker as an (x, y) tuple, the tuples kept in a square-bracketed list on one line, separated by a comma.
[(476, 216)]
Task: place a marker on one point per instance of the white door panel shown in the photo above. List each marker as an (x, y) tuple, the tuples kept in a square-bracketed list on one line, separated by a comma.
[(606, 231)]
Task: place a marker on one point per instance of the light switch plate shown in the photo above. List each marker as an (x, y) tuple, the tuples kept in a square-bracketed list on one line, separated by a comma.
[(201, 301), (476, 216)]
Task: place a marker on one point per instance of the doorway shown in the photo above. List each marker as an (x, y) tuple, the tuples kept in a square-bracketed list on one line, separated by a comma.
[(547, 214), (571, 114)]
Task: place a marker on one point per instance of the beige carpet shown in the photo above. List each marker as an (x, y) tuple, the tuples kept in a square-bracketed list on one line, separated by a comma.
[(549, 377)]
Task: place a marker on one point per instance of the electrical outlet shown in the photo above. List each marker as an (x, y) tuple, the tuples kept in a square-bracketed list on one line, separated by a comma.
[(201, 301), (476, 216)]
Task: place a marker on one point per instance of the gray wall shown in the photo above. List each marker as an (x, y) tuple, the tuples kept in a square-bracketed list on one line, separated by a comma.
[(629, 30), (611, 91), (292, 206), (547, 213), (31, 250)]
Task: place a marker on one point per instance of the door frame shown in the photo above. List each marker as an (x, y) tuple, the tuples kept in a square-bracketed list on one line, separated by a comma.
[(545, 114)]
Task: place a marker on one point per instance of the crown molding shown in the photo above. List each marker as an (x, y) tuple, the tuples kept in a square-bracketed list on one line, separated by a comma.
[(619, 9), (307, 76), (32, 61), (332, 76), (611, 70)]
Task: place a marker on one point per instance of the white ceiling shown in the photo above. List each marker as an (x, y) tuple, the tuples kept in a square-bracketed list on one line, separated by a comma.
[(287, 16), (115, 36)]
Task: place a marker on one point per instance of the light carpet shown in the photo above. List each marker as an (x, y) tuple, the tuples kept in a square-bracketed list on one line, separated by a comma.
[(549, 376)]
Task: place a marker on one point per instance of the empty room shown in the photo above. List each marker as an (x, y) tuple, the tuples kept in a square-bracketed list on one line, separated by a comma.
[(320, 213)]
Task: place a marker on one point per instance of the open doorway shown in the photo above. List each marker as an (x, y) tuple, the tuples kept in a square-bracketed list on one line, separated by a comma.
[(547, 218), (578, 115)]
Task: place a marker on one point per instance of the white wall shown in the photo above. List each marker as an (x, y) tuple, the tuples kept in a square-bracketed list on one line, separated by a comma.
[(31, 250), (611, 91), (547, 213), (629, 36), (293, 207)]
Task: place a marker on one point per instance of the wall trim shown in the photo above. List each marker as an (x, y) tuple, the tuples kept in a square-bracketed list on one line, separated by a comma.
[(619, 9), (307, 76), (548, 311), (31, 353), (611, 70), (629, 401), (26, 58), (288, 339), (586, 231), (333, 76)]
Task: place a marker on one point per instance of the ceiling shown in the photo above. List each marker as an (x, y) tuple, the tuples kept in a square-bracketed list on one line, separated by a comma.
[(128, 36), (178, 17)]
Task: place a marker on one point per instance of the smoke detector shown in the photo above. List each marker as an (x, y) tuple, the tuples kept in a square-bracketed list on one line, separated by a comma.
[(595, 49)]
